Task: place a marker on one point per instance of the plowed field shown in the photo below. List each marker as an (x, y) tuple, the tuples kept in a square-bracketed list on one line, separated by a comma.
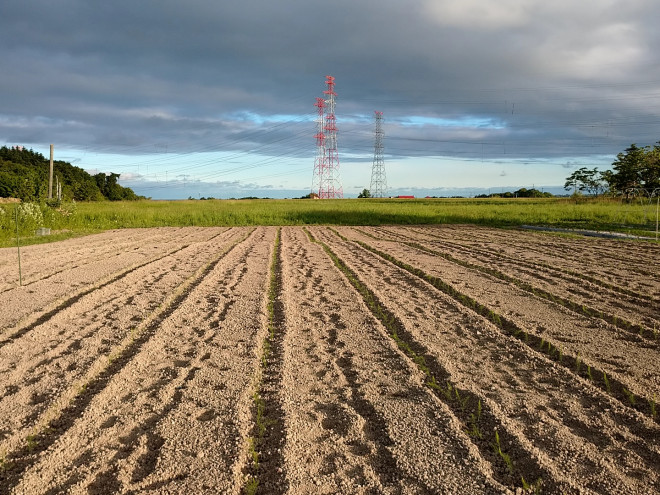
[(448, 359)]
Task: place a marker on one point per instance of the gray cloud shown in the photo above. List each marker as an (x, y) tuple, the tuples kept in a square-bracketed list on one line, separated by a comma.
[(527, 79)]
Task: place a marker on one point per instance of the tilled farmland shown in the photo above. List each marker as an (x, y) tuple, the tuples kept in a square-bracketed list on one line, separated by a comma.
[(445, 359)]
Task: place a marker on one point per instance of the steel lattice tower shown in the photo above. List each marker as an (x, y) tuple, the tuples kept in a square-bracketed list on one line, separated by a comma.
[(378, 187), (320, 145), (326, 171)]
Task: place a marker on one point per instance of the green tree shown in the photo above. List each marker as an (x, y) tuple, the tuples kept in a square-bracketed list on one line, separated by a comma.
[(635, 168), (23, 181), (586, 181), (650, 173), (627, 169), (366, 193), (531, 193), (24, 175)]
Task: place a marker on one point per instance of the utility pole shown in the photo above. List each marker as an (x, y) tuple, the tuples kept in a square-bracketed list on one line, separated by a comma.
[(50, 175)]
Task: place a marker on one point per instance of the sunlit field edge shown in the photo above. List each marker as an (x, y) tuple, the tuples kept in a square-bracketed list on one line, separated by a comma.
[(595, 214)]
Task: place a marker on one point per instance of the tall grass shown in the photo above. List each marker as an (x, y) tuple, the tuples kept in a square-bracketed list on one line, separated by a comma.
[(556, 212)]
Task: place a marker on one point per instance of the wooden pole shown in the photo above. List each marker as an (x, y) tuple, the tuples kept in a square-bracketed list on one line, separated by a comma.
[(50, 176)]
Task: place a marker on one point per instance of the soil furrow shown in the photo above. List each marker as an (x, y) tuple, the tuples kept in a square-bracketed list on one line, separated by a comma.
[(359, 418), (163, 377), (60, 380), (80, 259), (265, 469), (394, 359), (477, 415), (513, 378), (628, 264), (554, 274), (614, 388), (637, 317), (45, 261), (110, 311), (628, 358), (43, 299)]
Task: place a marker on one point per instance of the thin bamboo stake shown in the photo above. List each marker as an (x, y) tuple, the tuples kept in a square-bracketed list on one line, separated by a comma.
[(18, 247), (657, 210)]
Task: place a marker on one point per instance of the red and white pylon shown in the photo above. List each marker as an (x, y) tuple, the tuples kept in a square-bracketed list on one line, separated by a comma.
[(326, 165)]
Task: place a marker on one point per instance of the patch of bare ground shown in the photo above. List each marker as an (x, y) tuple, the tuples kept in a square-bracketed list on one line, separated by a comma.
[(590, 296), (579, 435), (628, 265), (170, 411), (358, 416), (46, 260), (62, 272), (356, 360), (629, 358), (77, 340)]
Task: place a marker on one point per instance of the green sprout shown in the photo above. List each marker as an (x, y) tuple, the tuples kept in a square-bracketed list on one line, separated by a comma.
[(497, 447), (630, 396)]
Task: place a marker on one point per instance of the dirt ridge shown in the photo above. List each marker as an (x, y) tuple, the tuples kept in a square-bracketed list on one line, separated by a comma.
[(365, 360)]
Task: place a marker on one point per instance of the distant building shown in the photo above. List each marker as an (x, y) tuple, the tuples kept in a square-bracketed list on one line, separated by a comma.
[(405, 197)]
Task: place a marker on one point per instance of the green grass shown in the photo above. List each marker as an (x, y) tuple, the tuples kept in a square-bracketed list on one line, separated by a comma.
[(556, 212)]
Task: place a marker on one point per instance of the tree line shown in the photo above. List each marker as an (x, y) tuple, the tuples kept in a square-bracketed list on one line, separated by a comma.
[(634, 169), (24, 175), (523, 192)]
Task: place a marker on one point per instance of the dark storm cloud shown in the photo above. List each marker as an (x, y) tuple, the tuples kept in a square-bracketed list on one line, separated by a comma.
[(511, 78)]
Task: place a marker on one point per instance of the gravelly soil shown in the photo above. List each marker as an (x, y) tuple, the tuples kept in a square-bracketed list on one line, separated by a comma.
[(143, 361)]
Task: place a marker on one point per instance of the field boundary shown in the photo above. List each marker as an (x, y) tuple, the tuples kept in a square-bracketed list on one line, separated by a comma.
[(497, 213)]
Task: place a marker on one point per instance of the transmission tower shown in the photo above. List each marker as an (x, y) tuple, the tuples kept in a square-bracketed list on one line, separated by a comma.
[(326, 170), (320, 146), (378, 187)]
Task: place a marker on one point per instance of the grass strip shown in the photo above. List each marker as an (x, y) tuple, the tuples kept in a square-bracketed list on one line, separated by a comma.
[(598, 214), (477, 420), (614, 388)]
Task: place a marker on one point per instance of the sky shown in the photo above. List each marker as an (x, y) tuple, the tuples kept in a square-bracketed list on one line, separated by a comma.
[(212, 98)]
